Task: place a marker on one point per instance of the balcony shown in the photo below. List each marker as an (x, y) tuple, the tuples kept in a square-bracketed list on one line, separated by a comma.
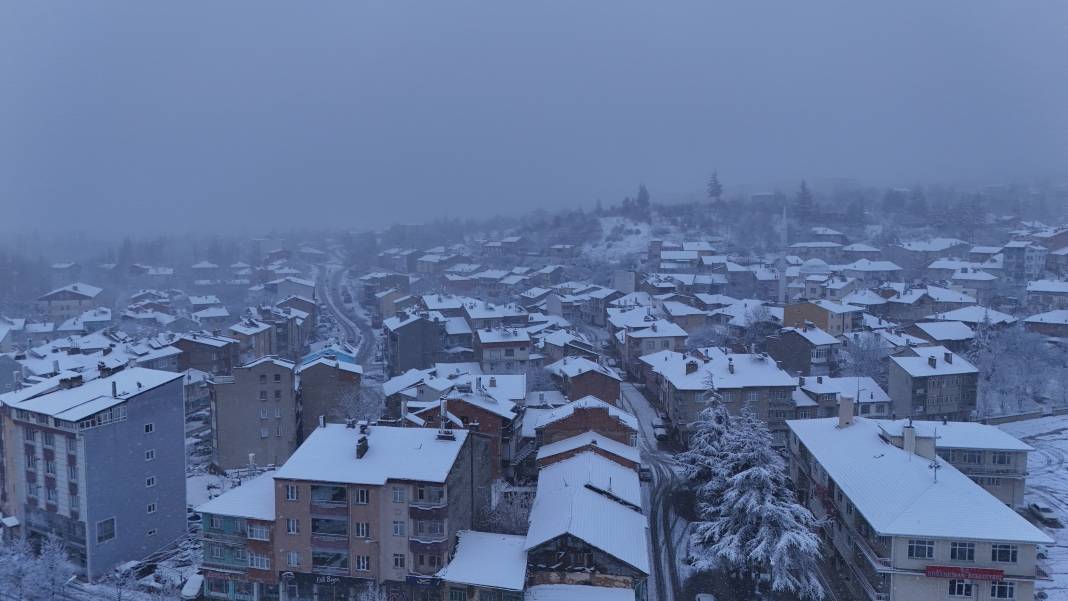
[(326, 508), (330, 570)]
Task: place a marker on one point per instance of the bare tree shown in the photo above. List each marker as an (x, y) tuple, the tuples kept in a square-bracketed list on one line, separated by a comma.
[(511, 515), (365, 402)]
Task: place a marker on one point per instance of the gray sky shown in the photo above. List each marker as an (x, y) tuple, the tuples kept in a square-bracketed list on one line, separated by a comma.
[(246, 114)]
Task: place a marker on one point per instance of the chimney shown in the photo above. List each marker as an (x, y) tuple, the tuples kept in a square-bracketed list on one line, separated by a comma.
[(932, 361), (55, 366), (730, 364), (114, 389), (948, 357), (361, 446), (819, 379), (691, 366), (909, 436), (322, 421), (493, 382), (845, 411), (801, 380)]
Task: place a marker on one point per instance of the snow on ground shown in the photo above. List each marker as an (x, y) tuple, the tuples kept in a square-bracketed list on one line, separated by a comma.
[(201, 488), (636, 241), (1047, 483)]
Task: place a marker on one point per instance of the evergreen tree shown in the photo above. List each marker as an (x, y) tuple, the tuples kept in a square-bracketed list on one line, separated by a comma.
[(643, 197), (55, 568), (703, 457), (715, 190), (805, 202), (756, 525), (18, 569)]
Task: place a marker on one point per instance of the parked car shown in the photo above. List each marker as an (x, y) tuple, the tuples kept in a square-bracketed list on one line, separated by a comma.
[(659, 431), (1044, 514), (705, 597), (645, 474)]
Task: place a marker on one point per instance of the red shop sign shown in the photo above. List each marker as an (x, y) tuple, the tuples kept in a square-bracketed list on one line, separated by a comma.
[(963, 572)]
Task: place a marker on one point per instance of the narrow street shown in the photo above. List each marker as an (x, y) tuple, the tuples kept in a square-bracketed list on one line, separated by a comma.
[(667, 531)]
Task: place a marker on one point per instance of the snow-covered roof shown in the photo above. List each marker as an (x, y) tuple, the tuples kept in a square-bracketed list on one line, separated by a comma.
[(813, 335), (860, 248), (896, 492), (574, 507), (837, 308), (254, 499), (487, 559), (502, 335), (959, 435), (718, 370), (577, 592), (94, 396), (587, 402), (974, 315), (919, 366), (861, 389), (576, 366), (946, 330), (1059, 316), (869, 265), (1048, 286), (932, 245), (592, 469), (590, 439), (329, 455), (79, 288)]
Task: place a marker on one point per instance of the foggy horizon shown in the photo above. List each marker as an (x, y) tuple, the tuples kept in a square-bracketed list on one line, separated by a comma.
[(246, 116)]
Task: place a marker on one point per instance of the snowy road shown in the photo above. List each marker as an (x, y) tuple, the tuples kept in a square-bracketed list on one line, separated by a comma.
[(1047, 483), (667, 531)]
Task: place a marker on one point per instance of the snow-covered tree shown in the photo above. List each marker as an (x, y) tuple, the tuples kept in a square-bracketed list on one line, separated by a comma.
[(755, 525), (511, 515), (711, 335), (18, 570), (864, 356), (703, 459), (55, 567), (1017, 368), (365, 402)]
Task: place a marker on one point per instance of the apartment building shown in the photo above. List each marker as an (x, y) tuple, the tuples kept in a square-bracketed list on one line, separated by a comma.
[(502, 350), (237, 537), (905, 523), (829, 316), (65, 439), (988, 455), (805, 350), (375, 505), (255, 414), (208, 352), (683, 384), (932, 382), (413, 341), (819, 396), (69, 301)]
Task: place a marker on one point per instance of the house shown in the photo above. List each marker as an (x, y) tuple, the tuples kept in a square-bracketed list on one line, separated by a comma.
[(822, 396), (1047, 295), (255, 417), (954, 335), (991, 457), (589, 442), (502, 350), (255, 338), (871, 271), (1024, 261), (683, 384), (932, 382), (238, 535), (832, 317), (587, 527), (579, 377), (62, 440), (1050, 323), (486, 565), (69, 301), (805, 350), (649, 337), (385, 510), (588, 414), (905, 523)]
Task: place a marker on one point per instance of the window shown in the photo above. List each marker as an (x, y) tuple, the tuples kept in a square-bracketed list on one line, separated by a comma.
[(962, 551), (72, 472), (363, 563), (921, 549), (277, 395), (51, 494), (361, 530), (30, 434), (457, 594), (752, 396), (971, 457), (105, 530), (1003, 554), (277, 377), (429, 527), (75, 502), (263, 395), (150, 428), (50, 467), (329, 527), (150, 455), (292, 493), (259, 562), (292, 526), (329, 496), (399, 528), (49, 439), (151, 508), (264, 414), (434, 561), (216, 552), (1002, 589), (150, 481), (398, 560), (263, 378), (259, 532), (960, 588), (361, 496), (216, 522), (293, 558), (398, 494), (1000, 458), (265, 432)]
